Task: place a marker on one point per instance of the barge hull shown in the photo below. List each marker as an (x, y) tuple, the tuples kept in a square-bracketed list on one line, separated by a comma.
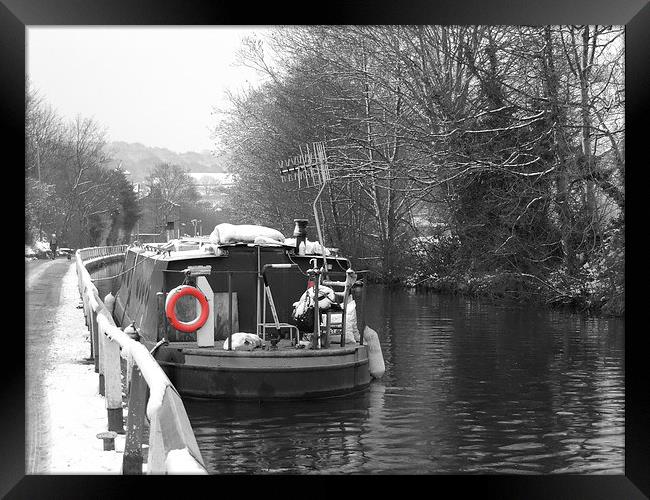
[(269, 377)]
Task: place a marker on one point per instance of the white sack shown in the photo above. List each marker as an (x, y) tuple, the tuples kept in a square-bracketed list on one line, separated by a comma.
[(245, 233), (242, 341), (311, 247), (315, 248), (325, 293)]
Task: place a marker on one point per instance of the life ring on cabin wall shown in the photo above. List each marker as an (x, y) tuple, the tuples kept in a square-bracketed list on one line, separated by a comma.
[(170, 308)]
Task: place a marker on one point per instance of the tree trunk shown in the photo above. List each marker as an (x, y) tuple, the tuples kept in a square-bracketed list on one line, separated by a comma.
[(583, 71), (560, 149)]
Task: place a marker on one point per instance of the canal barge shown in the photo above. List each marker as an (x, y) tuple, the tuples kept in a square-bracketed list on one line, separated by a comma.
[(245, 341)]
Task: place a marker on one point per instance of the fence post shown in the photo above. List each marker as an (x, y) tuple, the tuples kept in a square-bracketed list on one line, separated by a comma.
[(113, 386), (91, 330), (132, 460), (94, 344), (363, 309), (130, 363), (85, 303), (169, 430), (102, 360), (230, 310)]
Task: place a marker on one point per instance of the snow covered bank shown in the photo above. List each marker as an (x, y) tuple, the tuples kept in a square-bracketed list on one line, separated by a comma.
[(38, 250), (77, 412)]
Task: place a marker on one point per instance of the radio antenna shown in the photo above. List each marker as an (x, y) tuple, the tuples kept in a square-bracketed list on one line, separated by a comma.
[(309, 169)]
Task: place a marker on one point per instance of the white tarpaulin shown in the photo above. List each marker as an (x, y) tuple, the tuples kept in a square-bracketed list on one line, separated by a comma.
[(245, 233)]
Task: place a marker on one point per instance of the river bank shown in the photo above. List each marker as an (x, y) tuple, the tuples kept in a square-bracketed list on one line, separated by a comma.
[(592, 284), (575, 294)]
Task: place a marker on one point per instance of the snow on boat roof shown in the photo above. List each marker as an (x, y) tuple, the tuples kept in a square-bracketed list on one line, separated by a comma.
[(203, 249)]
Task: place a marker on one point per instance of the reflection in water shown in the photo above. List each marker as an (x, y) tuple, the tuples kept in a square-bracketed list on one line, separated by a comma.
[(470, 387)]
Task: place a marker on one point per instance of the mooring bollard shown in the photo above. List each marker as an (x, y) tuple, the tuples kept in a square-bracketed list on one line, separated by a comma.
[(109, 439), (132, 460)]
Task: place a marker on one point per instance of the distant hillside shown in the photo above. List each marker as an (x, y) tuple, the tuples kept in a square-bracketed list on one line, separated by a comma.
[(138, 159)]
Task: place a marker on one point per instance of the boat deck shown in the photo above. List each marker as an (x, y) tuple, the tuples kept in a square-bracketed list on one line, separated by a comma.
[(280, 373), (283, 349)]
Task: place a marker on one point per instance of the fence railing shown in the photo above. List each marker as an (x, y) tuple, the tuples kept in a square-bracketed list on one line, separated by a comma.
[(172, 444), (94, 252)]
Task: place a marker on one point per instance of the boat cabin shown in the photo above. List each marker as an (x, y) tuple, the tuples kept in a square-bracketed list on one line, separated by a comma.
[(245, 275)]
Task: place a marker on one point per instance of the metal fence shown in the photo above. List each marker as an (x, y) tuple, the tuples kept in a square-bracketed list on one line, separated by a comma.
[(172, 445), (95, 252)]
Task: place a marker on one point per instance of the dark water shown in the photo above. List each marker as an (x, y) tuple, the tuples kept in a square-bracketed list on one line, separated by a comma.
[(470, 387)]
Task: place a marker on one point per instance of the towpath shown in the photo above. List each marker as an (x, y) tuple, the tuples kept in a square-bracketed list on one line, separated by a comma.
[(42, 295), (63, 410)]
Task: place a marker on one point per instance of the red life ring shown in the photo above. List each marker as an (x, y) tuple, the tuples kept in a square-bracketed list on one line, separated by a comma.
[(173, 297)]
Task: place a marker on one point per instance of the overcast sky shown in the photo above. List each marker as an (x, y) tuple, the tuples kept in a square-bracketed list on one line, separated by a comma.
[(156, 86)]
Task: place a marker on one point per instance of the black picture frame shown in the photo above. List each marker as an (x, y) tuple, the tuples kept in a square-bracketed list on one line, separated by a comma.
[(16, 15)]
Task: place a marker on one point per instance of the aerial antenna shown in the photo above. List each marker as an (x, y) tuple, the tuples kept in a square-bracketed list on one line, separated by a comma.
[(309, 169)]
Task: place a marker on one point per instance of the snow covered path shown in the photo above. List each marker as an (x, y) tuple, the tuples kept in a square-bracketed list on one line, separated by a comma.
[(42, 287), (63, 409)]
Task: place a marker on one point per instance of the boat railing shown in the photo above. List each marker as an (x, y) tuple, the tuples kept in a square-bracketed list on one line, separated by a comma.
[(172, 444)]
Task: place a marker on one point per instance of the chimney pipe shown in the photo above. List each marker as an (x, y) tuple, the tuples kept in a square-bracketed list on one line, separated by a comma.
[(300, 233)]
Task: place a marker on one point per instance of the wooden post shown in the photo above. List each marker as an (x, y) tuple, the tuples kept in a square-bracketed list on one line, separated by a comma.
[(205, 334), (91, 330), (102, 360), (132, 460), (363, 311), (317, 313), (328, 327), (343, 315), (350, 279), (130, 363), (258, 309), (95, 347), (170, 430), (85, 301), (113, 386), (229, 311)]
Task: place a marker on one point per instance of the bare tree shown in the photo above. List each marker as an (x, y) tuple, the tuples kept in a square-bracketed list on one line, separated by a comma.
[(511, 137)]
